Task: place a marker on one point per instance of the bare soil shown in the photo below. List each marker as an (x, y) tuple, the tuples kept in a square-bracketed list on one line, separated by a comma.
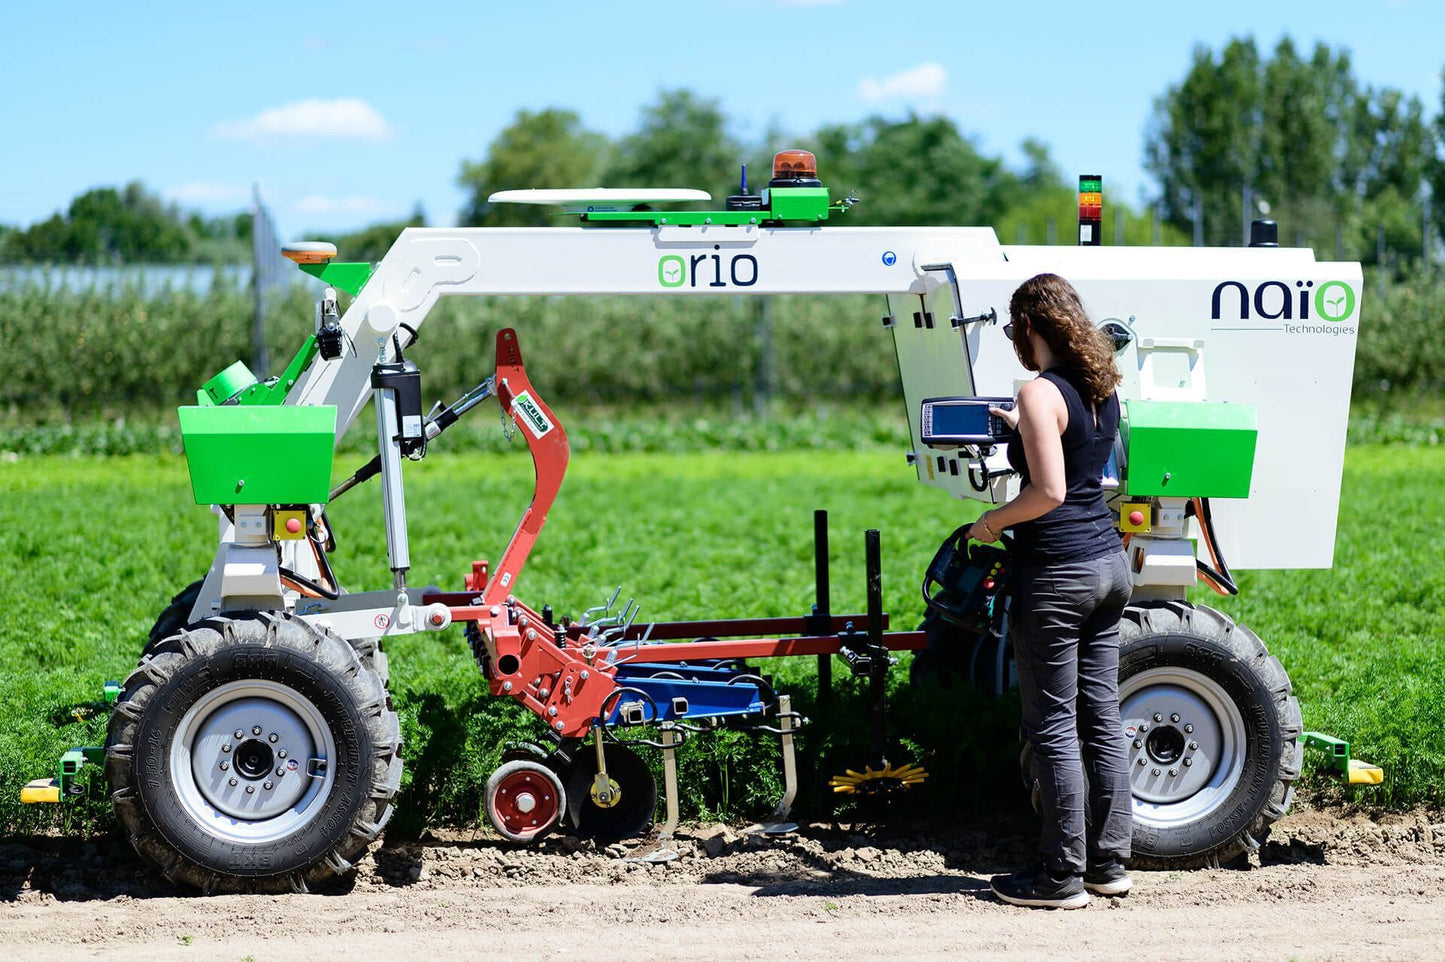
[(1327, 885)]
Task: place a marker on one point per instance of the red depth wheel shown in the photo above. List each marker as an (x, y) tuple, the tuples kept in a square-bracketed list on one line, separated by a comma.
[(524, 800)]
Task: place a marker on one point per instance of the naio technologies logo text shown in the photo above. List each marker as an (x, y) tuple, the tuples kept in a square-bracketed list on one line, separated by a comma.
[(1332, 302)]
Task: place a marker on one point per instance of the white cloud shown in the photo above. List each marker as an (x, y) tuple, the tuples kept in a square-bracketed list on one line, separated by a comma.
[(925, 80), (207, 192), (347, 118), (355, 204)]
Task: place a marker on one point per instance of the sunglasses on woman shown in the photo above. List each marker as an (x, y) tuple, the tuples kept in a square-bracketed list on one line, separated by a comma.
[(1008, 331)]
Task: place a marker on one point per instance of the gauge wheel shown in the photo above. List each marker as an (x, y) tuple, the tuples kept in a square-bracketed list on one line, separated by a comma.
[(253, 753), (524, 800)]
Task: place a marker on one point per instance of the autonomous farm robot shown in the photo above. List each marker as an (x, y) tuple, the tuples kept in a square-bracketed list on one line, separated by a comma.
[(255, 746)]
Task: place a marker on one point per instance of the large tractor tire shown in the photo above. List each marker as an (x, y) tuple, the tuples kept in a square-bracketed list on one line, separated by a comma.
[(253, 753), (175, 616), (178, 614), (1214, 735)]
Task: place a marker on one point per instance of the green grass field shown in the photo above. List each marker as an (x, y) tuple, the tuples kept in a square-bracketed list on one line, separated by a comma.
[(96, 547)]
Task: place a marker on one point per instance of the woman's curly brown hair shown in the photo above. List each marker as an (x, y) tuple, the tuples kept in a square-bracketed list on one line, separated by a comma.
[(1048, 305)]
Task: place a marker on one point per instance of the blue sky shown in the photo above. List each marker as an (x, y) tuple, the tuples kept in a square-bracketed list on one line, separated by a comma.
[(347, 114)]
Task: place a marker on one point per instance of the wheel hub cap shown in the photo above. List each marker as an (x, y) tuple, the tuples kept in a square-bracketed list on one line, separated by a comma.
[(249, 761), (526, 803), (1187, 744)]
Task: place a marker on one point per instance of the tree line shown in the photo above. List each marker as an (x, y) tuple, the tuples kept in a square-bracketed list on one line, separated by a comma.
[(128, 225), (1345, 167)]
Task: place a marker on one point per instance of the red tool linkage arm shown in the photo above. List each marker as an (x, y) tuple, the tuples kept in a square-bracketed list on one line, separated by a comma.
[(547, 441)]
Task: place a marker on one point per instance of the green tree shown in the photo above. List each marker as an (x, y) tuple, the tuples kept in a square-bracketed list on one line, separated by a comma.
[(919, 170), (546, 148), (1203, 142), (683, 141), (107, 226), (1334, 161), (1385, 168)]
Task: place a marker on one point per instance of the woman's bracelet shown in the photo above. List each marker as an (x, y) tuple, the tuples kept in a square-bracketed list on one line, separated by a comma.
[(983, 520)]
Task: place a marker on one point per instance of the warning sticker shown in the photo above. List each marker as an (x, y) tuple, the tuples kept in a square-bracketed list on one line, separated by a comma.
[(529, 415)]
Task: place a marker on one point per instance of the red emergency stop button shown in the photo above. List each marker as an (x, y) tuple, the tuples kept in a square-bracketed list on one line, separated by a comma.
[(293, 525), (1136, 518)]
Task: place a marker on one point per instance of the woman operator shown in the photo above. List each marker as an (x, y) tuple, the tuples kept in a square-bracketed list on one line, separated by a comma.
[(1070, 588)]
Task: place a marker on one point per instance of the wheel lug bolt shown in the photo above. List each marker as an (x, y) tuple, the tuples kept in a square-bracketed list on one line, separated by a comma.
[(281, 753), (1143, 727), (1158, 717), (280, 771), (558, 725), (1193, 746), (552, 710), (1174, 718), (273, 738), (1188, 729), (1154, 771), (1138, 743), (225, 765), (1173, 773), (240, 734), (226, 747), (256, 729), (266, 785), (231, 782), (1188, 762), (1141, 760), (250, 789)]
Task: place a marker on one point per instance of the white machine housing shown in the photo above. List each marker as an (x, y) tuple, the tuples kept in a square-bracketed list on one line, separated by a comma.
[(1252, 317)]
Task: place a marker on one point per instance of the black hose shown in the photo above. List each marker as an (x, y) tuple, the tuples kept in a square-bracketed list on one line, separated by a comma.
[(1222, 577), (304, 582)]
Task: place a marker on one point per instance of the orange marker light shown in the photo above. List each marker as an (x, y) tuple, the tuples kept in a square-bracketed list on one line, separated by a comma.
[(794, 165)]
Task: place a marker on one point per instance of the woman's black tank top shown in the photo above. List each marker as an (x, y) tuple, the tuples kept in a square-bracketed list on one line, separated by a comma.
[(1082, 528)]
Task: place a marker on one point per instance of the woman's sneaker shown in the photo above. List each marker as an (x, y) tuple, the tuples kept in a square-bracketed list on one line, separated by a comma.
[(1036, 888), (1108, 879)]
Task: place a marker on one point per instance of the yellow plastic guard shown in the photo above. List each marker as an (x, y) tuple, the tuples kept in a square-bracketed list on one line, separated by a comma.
[(1363, 773), (40, 790)]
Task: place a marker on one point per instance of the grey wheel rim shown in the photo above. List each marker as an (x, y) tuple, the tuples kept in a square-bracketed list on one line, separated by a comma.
[(251, 761), (1187, 745)]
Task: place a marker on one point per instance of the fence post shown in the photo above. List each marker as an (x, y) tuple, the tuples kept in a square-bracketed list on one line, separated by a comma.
[(1426, 267), (763, 377), (1380, 259)]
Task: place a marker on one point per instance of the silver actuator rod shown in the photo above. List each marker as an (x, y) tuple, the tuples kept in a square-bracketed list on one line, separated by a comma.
[(393, 496), (435, 425)]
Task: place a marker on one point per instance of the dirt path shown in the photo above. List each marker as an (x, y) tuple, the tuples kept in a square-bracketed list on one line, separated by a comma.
[(1326, 886)]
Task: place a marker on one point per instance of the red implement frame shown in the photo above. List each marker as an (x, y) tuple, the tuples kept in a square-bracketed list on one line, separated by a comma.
[(554, 672)]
